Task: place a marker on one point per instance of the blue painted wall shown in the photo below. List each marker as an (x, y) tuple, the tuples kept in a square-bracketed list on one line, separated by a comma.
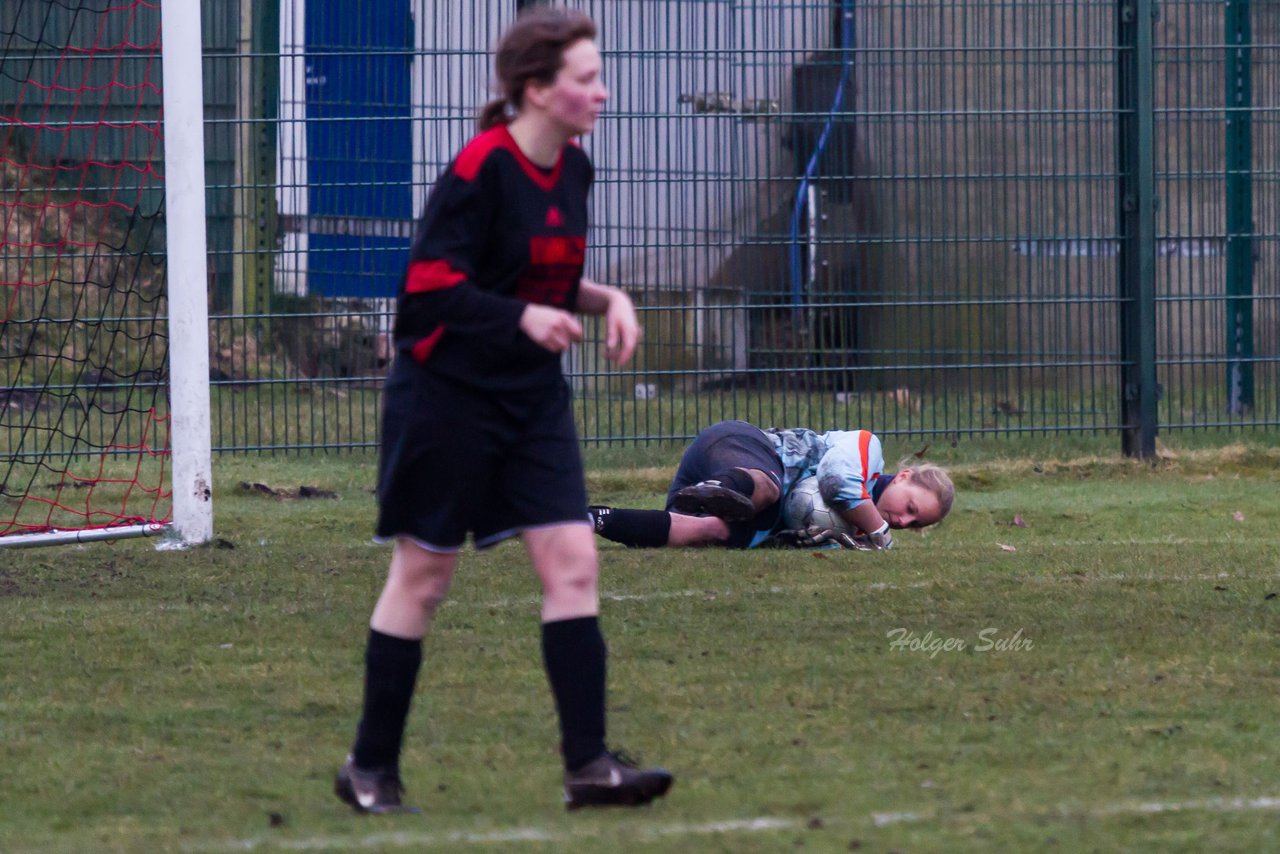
[(358, 145)]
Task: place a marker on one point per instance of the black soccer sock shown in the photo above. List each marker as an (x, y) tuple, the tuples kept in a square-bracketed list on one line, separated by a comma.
[(638, 529), (390, 672), (737, 480), (574, 654)]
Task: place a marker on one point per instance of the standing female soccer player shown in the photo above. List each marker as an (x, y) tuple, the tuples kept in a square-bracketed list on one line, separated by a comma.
[(478, 434)]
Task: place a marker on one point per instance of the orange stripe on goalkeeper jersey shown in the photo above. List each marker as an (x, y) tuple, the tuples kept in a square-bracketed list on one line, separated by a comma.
[(427, 276), (422, 349), (864, 452)]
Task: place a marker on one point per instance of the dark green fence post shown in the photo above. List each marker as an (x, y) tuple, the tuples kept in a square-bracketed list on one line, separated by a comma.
[(265, 99), (1136, 206), (1239, 209)]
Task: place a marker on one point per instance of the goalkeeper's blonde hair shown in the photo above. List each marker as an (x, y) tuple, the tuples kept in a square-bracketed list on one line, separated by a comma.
[(935, 479)]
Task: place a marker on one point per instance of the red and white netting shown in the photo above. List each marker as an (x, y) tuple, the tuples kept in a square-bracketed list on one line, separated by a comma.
[(84, 422)]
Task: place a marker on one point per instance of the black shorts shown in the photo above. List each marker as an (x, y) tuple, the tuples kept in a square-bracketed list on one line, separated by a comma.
[(455, 460), (726, 445)]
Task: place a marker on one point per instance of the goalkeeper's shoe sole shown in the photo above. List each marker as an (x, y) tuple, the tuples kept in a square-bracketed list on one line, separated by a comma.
[(712, 498)]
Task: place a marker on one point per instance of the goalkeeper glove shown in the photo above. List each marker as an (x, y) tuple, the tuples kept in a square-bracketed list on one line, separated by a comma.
[(880, 538), (815, 537)]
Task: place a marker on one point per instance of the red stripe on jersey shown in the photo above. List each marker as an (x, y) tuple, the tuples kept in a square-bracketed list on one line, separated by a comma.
[(422, 349), (555, 264), (427, 276), (864, 454), (556, 249), (468, 162)]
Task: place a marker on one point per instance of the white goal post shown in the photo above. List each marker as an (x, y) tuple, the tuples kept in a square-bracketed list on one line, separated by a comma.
[(188, 277), (105, 428)]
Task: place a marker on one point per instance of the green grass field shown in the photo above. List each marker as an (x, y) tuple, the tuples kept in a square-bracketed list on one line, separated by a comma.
[(1116, 689)]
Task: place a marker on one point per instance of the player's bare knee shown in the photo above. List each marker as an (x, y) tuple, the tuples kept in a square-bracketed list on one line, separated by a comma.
[(425, 582), (578, 580), (431, 593)]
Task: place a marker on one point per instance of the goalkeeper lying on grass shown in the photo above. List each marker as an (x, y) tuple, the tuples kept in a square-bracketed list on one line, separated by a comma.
[(732, 482)]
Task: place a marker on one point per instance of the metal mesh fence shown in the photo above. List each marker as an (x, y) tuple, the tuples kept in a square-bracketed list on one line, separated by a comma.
[(913, 217), (1215, 153)]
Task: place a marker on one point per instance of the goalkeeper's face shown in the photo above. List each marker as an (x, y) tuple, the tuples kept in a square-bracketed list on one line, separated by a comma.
[(907, 504)]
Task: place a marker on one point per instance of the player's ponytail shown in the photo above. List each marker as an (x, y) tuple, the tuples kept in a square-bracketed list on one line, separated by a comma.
[(493, 113), (532, 50)]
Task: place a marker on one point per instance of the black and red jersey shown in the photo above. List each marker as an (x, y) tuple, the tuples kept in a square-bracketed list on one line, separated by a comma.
[(498, 232)]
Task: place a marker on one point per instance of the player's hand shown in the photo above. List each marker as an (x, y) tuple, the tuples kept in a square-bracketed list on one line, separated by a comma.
[(622, 330), (550, 328)]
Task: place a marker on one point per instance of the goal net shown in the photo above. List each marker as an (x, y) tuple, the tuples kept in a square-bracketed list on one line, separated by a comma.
[(86, 422)]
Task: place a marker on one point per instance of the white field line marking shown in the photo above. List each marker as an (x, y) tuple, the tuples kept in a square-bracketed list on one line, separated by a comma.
[(779, 590), (515, 834), (659, 595), (1204, 805), (749, 825), (883, 819), (1167, 540), (1253, 538), (1216, 805)]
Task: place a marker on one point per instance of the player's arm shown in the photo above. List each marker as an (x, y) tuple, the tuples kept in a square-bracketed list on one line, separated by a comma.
[(865, 517), (622, 329), (844, 476), (438, 292)]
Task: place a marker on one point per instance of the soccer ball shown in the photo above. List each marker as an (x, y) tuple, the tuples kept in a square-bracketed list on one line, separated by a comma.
[(805, 508)]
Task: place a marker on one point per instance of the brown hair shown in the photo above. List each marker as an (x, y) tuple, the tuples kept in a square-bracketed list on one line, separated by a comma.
[(532, 49), (936, 480)]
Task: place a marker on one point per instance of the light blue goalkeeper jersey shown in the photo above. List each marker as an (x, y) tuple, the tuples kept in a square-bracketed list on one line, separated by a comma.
[(847, 462)]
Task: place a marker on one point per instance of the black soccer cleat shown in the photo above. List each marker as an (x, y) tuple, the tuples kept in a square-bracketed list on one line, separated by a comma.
[(612, 779), (374, 791), (712, 498)]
